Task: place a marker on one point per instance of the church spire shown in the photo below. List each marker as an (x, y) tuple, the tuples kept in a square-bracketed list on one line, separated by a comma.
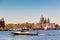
[(42, 16), (48, 21), (42, 19)]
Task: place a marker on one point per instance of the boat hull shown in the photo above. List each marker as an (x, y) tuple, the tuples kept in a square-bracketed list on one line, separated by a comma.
[(24, 33)]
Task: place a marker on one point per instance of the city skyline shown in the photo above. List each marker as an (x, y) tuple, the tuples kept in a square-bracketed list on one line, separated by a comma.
[(20, 11)]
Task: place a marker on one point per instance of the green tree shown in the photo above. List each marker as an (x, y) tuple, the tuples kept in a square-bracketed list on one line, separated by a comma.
[(28, 25), (8, 26)]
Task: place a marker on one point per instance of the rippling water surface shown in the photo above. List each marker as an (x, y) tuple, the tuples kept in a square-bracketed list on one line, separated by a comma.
[(6, 35)]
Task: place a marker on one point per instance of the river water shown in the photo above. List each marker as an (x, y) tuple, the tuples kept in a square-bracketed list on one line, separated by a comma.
[(6, 35)]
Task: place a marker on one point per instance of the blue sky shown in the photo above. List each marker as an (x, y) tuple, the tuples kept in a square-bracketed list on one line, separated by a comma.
[(19, 11)]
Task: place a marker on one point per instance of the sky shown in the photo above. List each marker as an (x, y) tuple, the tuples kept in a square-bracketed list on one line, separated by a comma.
[(20, 11)]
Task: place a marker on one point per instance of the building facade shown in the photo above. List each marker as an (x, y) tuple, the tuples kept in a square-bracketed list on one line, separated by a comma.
[(44, 24), (2, 23)]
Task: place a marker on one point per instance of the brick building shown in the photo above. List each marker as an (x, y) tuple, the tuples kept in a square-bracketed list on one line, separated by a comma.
[(44, 24), (2, 23)]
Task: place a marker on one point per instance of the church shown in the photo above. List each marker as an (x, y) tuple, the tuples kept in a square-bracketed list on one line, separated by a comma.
[(44, 24)]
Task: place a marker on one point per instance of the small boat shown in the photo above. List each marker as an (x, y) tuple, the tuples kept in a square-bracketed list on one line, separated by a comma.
[(46, 27), (24, 33)]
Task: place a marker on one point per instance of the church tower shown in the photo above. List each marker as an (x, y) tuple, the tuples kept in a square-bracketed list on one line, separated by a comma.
[(42, 19), (47, 20)]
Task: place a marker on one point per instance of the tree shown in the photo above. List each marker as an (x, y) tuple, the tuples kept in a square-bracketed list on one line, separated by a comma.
[(9, 26), (28, 25)]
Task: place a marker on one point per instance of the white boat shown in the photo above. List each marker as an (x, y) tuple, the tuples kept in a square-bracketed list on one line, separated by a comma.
[(46, 27), (24, 33)]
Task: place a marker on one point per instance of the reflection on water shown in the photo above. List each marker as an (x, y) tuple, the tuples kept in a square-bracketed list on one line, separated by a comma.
[(6, 35)]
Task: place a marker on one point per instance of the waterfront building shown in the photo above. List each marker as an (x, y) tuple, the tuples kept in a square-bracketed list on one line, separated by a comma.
[(2, 23), (22, 25), (37, 26), (44, 24), (17, 26)]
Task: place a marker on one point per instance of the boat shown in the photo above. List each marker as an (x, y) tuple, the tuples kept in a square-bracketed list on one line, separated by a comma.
[(24, 33), (46, 27)]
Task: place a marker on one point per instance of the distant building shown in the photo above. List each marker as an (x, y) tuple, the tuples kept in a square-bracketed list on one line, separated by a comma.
[(44, 24), (37, 26), (2, 23), (41, 19)]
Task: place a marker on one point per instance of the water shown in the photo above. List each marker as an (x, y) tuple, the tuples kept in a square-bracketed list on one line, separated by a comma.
[(6, 35)]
